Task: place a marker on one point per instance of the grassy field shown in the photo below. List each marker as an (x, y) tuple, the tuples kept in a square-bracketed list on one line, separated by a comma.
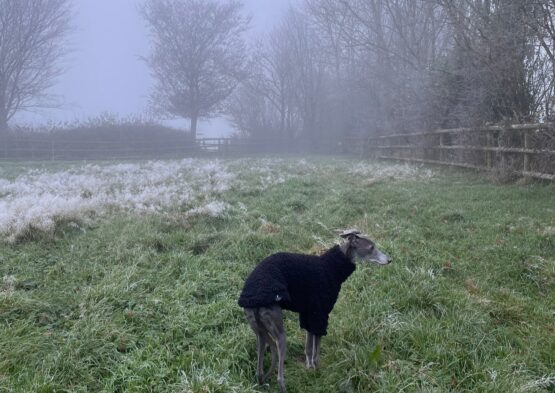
[(115, 298)]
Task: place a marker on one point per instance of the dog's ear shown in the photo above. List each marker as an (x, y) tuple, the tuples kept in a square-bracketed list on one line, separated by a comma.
[(350, 234)]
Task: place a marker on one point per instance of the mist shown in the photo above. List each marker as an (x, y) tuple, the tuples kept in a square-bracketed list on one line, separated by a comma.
[(104, 72), (306, 76), (255, 196)]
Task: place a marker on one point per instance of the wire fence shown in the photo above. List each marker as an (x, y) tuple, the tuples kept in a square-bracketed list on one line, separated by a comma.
[(46, 148), (49, 150), (523, 149)]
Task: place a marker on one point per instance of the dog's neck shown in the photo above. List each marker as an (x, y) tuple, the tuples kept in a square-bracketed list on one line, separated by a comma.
[(348, 250), (338, 264)]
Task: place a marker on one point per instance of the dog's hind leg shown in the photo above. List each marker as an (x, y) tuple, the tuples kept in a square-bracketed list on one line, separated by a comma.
[(273, 349), (272, 319), (281, 350), (261, 342), (260, 350)]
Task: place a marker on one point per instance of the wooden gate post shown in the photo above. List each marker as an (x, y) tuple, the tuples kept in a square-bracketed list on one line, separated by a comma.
[(526, 166)]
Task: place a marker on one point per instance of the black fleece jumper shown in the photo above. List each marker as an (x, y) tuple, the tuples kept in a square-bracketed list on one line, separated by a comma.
[(301, 283)]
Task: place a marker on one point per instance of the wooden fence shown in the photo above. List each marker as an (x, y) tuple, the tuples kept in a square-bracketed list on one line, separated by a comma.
[(525, 149)]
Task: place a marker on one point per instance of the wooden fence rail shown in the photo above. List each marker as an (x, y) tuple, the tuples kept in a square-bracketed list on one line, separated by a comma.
[(526, 149), (48, 148)]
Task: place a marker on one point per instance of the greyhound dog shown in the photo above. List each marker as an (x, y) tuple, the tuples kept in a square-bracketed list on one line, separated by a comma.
[(267, 321)]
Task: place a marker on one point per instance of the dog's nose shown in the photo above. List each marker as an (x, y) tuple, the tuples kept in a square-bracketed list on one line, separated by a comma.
[(389, 260)]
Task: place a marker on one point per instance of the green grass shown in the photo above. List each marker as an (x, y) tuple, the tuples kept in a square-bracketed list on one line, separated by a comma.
[(148, 303)]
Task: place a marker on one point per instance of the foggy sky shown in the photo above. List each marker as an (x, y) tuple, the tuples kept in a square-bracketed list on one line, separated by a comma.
[(104, 72)]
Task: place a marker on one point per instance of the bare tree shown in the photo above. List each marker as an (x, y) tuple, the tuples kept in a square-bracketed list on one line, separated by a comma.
[(491, 55), (288, 76), (198, 55), (32, 41), (275, 80), (382, 52), (263, 105), (540, 18), (308, 69)]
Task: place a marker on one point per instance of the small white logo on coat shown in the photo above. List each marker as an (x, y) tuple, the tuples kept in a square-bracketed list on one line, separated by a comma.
[(278, 298)]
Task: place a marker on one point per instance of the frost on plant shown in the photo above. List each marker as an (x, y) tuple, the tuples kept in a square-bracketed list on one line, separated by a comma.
[(40, 199), (212, 209), (375, 172), (7, 285)]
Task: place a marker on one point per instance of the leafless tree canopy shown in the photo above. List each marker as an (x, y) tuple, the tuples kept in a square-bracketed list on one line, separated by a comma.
[(32, 41), (198, 55), (328, 69), (333, 68)]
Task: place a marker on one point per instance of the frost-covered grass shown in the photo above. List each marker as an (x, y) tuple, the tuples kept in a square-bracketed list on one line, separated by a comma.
[(40, 199), (124, 276), (37, 200)]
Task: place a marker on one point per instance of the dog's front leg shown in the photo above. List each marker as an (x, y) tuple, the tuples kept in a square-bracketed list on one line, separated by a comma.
[(316, 354), (312, 350)]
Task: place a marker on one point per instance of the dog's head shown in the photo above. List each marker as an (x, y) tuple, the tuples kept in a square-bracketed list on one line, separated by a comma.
[(363, 248)]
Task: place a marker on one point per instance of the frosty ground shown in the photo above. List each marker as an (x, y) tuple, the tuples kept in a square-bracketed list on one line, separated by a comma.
[(124, 276)]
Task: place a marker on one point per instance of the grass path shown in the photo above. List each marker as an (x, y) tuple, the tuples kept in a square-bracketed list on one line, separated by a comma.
[(147, 302)]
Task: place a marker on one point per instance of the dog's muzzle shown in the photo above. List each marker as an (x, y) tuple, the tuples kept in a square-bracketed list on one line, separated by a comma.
[(379, 257)]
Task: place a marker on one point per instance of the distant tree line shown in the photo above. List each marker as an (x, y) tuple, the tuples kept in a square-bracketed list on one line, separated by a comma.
[(366, 67), (329, 69)]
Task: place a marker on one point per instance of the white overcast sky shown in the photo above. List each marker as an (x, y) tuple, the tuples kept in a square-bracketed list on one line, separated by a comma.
[(104, 72)]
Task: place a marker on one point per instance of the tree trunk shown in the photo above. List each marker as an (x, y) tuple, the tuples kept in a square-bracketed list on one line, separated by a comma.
[(282, 123), (194, 121), (3, 125), (3, 136)]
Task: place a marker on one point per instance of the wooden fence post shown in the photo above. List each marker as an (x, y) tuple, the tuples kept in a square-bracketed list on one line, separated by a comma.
[(487, 153), (526, 166), (441, 144)]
